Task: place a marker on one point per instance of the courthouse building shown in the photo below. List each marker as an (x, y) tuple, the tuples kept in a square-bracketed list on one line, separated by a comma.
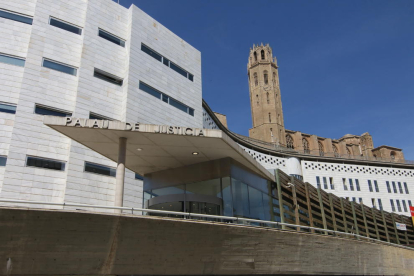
[(98, 65)]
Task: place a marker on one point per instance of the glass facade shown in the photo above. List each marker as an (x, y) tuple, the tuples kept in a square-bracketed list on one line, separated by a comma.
[(241, 194)]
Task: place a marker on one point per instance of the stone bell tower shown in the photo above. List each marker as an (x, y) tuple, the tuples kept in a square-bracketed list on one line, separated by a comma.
[(265, 100)]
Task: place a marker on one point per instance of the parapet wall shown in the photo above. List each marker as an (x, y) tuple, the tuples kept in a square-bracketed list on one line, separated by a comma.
[(60, 242)]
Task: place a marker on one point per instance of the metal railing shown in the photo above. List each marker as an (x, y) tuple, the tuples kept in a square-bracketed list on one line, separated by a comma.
[(226, 219)]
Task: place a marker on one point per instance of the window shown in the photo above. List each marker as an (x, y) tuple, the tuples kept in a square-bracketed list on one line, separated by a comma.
[(265, 77), (46, 110), (360, 200), (331, 183), (394, 187), (380, 204), (289, 142), (16, 17), (256, 82), (255, 56), (165, 98), (321, 151), (357, 185), (409, 203), (325, 183), (138, 176), (257, 99), (392, 205), (7, 108), (59, 67), (406, 188), (171, 64), (267, 96), (112, 38), (3, 161), (344, 183), (335, 150), (45, 163), (392, 155), (351, 184), (305, 144), (400, 188), (388, 186), (12, 60), (263, 54), (318, 182), (100, 169), (370, 186), (65, 26), (270, 118), (107, 77), (354, 199), (373, 203), (404, 206), (376, 186), (274, 78), (96, 116), (398, 205)]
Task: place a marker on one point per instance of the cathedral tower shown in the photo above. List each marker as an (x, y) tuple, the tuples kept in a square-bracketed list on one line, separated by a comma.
[(265, 100)]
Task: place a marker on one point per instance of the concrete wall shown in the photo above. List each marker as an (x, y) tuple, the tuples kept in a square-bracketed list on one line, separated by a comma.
[(64, 242)]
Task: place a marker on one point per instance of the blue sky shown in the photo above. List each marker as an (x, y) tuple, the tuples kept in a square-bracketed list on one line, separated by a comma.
[(344, 66)]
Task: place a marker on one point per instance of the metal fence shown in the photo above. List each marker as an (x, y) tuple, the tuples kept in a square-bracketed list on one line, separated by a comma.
[(212, 218)]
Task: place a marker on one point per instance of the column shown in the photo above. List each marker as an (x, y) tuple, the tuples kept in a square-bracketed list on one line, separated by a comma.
[(120, 174)]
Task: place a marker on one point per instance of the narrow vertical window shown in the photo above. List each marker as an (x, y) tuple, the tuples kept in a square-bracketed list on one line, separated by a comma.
[(404, 206), (370, 186), (256, 82), (289, 142), (398, 205), (373, 203), (305, 144), (380, 204), (267, 96), (360, 200), (392, 205), (357, 185), (331, 183), (351, 184), (400, 188), (263, 54), (265, 77), (257, 99), (321, 150), (388, 186), (394, 187), (409, 203), (325, 183), (344, 183), (255, 56), (274, 78), (318, 182), (376, 186), (406, 188), (353, 199), (270, 118)]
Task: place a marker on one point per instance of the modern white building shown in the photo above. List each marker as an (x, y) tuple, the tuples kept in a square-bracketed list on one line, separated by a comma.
[(95, 59)]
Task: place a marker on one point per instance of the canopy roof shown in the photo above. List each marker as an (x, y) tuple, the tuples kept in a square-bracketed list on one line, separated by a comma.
[(153, 148)]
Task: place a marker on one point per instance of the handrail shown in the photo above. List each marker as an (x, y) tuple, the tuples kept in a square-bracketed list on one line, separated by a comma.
[(187, 214)]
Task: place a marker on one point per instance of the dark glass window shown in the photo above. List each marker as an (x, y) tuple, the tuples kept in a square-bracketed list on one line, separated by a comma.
[(3, 161), (178, 69), (376, 186), (96, 116), (138, 176), (152, 53), (149, 90), (12, 60), (45, 163), (400, 188), (165, 98), (166, 61), (354, 199), (100, 169), (394, 187), (392, 205), (404, 206), (325, 183), (351, 184), (7, 108), (406, 188), (111, 38), (409, 203), (190, 77), (59, 67), (107, 77), (357, 185), (45, 110), (370, 186), (330, 182), (16, 17), (380, 204), (398, 205), (240, 199), (65, 26), (191, 111), (178, 105), (388, 186), (360, 200), (318, 182), (344, 184)]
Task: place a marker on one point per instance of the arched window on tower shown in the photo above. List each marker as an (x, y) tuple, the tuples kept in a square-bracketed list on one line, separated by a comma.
[(278, 119), (255, 56), (274, 78), (263, 54), (335, 150), (289, 142), (270, 118), (266, 78), (392, 155), (256, 82), (321, 151), (257, 99), (267, 95), (348, 151), (305, 144)]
